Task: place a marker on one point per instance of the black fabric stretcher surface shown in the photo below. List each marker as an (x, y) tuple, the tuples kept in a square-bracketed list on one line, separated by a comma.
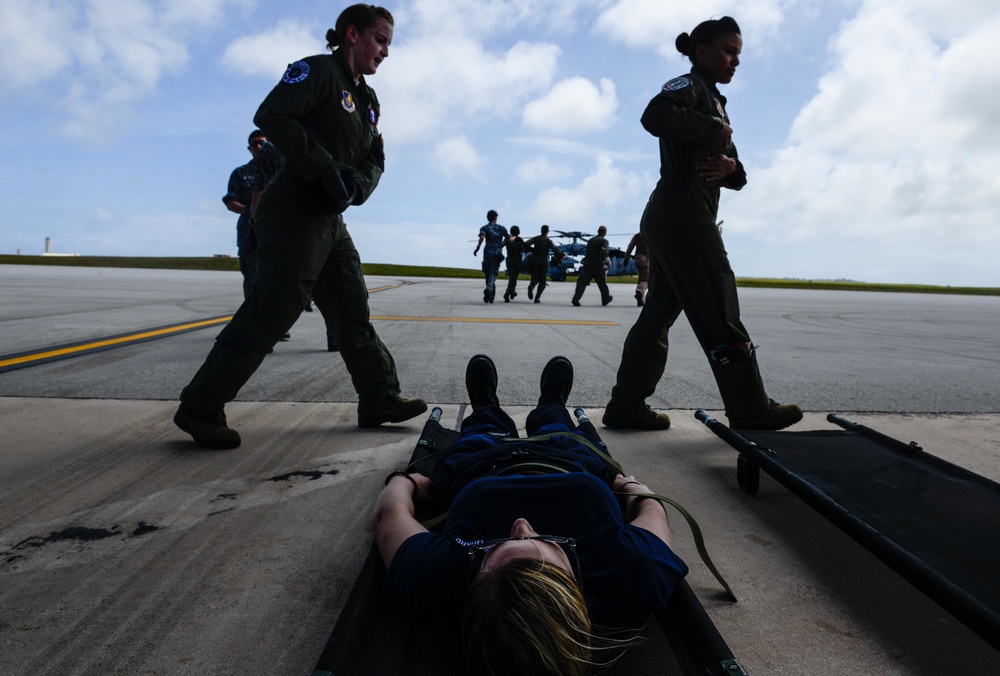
[(933, 522), (375, 636)]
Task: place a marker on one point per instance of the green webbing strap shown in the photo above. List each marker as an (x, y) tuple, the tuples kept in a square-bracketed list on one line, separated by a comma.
[(608, 460), (699, 539)]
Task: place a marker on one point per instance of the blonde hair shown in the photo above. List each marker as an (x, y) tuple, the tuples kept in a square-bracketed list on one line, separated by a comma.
[(527, 618)]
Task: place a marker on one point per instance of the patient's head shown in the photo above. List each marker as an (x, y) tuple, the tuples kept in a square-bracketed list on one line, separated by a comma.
[(525, 613)]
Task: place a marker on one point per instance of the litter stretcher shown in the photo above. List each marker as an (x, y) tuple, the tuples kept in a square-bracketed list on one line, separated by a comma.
[(933, 522), (375, 636)]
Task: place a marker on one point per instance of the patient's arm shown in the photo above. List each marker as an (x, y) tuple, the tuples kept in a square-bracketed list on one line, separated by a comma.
[(645, 513), (394, 521)]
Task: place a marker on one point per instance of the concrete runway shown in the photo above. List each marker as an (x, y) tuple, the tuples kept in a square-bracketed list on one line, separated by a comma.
[(125, 549)]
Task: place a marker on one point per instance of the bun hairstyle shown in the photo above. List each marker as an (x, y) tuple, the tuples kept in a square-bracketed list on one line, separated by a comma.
[(360, 16), (705, 33)]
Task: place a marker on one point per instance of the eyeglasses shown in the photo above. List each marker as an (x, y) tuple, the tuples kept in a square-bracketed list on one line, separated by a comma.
[(486, 547), (257, 143), (567, 544)]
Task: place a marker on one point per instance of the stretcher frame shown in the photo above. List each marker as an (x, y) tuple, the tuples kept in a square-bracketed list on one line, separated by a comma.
[(931, 521)]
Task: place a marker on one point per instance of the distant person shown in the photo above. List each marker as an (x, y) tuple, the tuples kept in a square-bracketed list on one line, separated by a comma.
[(594, 267), (638, 244), (516, 249), (237, 199), (540, 246), (689, 267), (323, 118), (495, 236)]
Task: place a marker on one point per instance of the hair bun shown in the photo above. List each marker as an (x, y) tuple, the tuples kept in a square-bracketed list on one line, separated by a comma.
[(332, 40), (683, 44)]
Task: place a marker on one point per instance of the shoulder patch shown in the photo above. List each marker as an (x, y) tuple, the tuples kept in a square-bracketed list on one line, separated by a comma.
[(677, 83), (296, 72)]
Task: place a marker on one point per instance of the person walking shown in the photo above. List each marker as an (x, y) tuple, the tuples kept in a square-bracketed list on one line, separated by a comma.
[(323, 117), (496, 237), (540, 246), (689, 267), (594, 266), (638, 244), (239, 194), (516, 248)]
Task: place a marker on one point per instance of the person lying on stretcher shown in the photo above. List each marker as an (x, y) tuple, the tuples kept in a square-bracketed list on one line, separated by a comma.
[(538, 557)]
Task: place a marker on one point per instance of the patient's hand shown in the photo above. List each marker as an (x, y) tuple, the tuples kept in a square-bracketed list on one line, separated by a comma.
[(424, 485)]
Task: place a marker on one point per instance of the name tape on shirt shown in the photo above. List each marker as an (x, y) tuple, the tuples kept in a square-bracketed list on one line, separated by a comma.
[(677, 83), (296, 72)]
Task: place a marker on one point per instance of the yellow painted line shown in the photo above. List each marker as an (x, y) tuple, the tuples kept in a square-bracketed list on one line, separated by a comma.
[(110, 342), (494, 320)]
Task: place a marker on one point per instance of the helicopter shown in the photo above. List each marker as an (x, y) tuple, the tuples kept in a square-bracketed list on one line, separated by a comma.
[(575, 248)]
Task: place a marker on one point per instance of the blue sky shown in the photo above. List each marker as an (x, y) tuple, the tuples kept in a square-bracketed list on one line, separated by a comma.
[(868, 127)]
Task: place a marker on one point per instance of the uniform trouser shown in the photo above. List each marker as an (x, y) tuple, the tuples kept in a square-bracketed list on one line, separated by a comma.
[(246, 248), (491, 268), (539, 277), (299, 254), (583, 281), (512, 272), (642, 270), (689, 271)]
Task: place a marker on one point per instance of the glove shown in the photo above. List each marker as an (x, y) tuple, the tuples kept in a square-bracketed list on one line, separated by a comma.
[(476, 252), (339, 187)]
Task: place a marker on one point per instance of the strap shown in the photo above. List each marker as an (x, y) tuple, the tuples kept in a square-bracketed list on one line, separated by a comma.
[(699, 539), (608, 460)]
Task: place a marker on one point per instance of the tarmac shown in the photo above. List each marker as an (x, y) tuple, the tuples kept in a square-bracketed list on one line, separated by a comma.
[(125, 549)]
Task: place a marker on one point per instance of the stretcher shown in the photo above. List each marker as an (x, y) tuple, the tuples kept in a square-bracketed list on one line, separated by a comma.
[(375, 636), (933, 522)]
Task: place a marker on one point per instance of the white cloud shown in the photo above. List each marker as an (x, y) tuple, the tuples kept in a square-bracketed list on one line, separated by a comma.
[(655, 24), (457, 156), (34, 40), (423, 95), (896, 149), (110, 54), (268, 53), (542, 170), (594, 200), (573, 106)]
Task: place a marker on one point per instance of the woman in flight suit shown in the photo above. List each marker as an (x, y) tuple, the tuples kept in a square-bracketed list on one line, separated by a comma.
[(323, 117), (689, 267)]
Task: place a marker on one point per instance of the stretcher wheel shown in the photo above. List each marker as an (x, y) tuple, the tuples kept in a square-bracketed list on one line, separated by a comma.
[(747, 475)]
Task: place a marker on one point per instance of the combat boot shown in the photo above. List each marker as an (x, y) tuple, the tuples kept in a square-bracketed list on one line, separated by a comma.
[(776, 417), (207, 431), (391, 411), (634, 417)]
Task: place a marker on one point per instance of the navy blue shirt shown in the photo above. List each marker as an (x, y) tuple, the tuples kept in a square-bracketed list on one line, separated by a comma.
[(627, 572)]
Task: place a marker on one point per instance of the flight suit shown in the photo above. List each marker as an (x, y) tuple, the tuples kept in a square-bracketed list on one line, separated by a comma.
[(594, 267), (540, 245), (318, 118), (689, 266)]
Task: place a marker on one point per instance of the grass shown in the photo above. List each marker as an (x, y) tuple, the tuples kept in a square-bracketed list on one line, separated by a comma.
[(226, 263)]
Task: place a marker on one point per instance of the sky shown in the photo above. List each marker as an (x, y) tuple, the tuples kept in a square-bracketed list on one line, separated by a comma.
[(868, 128)]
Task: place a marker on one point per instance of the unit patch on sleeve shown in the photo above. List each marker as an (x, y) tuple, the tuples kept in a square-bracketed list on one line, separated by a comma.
[(677, 83), (296, 72)]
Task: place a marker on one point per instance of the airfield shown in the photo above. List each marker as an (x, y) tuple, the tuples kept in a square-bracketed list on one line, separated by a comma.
[(125, 549)]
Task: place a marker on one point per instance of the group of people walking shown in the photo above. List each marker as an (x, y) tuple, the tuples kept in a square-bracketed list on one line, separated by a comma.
[(323, 118), (498, 241)]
